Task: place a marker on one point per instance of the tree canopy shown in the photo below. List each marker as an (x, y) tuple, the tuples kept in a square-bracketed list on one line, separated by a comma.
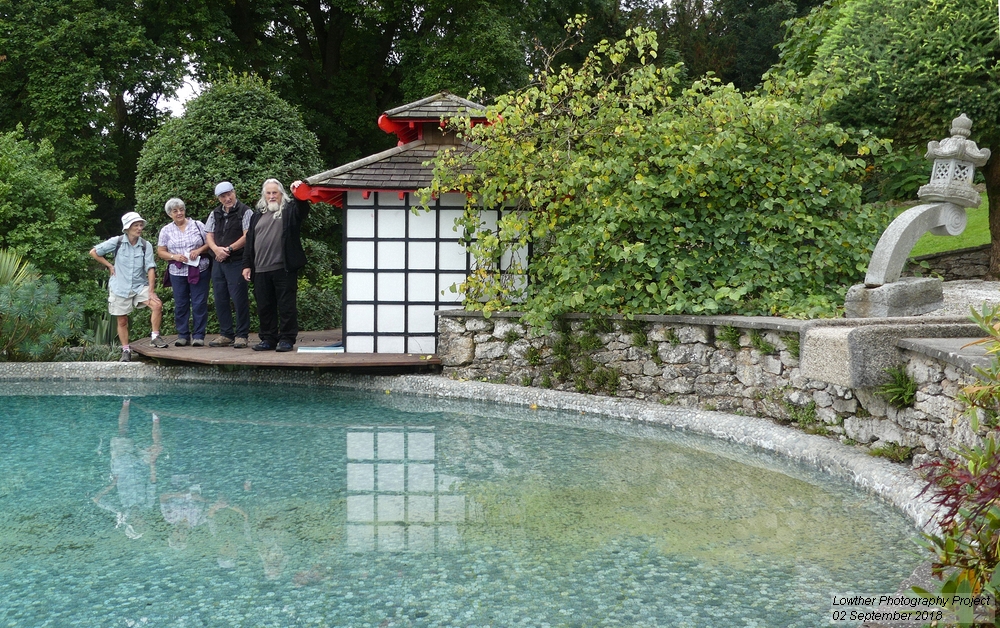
[(240, 131), (42, 215), (910, 67), (641, 196)]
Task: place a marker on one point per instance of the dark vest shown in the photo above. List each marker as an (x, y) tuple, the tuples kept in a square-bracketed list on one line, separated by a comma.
[(229, 228)]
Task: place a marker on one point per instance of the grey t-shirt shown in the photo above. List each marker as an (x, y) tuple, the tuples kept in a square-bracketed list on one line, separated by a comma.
[(267, 244)]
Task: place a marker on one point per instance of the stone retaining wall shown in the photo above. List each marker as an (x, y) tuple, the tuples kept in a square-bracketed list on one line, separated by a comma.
[(746, 365), (970, 263)]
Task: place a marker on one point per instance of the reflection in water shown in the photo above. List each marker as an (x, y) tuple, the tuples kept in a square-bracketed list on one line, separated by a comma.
[(260, 507), (131, 493), (397, 501)]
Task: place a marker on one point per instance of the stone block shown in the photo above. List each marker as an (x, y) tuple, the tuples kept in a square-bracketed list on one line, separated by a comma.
[(822, 398), (505, 325), (490, 350), (909, 296), (692, 334), (478, 324), (449, 325), (771, 364), (455, 350), (845, 406)]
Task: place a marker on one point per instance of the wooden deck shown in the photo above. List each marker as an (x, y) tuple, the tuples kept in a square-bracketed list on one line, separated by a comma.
[(350, 362)]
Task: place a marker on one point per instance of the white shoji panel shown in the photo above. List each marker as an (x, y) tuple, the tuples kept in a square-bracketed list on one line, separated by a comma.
[(390, 344), (423, 224), (360, 318), (391, 199), (359, 344), (360, 223), (422, 255), (448, 227), (391, 223), (421, 344), (445, 281), (390, 318), (360, 286), (360, 254), (358, 198), (451, 256), (452, 199), (420, 319), (421, 287), (391, 255), (391, 287)]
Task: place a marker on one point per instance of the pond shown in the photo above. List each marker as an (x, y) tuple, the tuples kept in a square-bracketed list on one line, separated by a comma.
[(224, 505)]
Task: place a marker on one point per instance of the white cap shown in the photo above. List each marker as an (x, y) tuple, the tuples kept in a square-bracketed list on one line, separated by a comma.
[(130, 218), (223, 187)]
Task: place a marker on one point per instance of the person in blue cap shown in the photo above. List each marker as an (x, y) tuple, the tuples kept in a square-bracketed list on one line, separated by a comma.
[(227, 227)]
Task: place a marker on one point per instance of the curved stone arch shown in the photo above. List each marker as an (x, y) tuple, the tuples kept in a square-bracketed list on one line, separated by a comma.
[(893, 248)]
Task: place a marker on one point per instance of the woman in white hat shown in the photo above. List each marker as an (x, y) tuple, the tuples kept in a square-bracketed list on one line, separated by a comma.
[(133, 279)]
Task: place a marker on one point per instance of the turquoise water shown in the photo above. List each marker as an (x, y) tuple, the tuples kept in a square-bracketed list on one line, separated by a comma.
[(240, 506)]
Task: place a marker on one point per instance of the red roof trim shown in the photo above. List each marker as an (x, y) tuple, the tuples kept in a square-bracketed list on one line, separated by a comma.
[(335, 195)]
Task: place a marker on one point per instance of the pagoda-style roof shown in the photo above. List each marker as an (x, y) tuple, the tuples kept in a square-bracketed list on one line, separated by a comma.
[(401, 167), (440, 105), (419, 128)]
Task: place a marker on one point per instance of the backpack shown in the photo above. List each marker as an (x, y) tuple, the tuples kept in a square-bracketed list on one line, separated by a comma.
[(117, 246)]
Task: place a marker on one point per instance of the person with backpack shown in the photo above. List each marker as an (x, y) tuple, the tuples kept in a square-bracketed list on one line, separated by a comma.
[(133, 279), (183, 244), (227, 234)]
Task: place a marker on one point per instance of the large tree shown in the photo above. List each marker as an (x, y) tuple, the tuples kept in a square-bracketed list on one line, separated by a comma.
[(912, 66), (87, 75)]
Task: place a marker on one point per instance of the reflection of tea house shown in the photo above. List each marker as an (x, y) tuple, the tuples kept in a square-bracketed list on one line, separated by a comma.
[(399, 265)]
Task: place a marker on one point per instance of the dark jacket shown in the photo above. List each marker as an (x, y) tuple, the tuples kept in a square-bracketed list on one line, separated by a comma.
[(229, 230), (293, 215)]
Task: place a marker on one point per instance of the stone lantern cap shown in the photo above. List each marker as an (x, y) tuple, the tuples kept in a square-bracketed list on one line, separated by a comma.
[(955, 160)]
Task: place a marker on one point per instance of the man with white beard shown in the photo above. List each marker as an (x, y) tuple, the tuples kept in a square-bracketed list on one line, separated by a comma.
[(272, 261)]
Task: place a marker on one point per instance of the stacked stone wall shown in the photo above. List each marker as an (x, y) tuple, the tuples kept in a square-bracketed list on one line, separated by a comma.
[(961, 264), (741, 365)]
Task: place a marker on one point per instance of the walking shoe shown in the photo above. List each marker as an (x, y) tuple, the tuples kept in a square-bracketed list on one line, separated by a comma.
[(158, 342), (284, 346), (263, 345), (181, 342), (198, 342), (221, 341), (241, 343), (126, 355)]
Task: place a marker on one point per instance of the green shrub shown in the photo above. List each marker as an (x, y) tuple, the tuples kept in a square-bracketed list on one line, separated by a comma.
[(319, 305), (34, 321), (642, 194)]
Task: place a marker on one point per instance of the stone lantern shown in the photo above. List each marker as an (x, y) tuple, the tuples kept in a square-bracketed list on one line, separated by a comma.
[(942, 213), (955, 160)]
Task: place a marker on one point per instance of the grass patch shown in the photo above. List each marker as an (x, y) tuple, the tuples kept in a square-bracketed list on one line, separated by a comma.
[(758, 342), (729, 335), (792, 345), (892, 451), (900, 391), (977, 233)]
